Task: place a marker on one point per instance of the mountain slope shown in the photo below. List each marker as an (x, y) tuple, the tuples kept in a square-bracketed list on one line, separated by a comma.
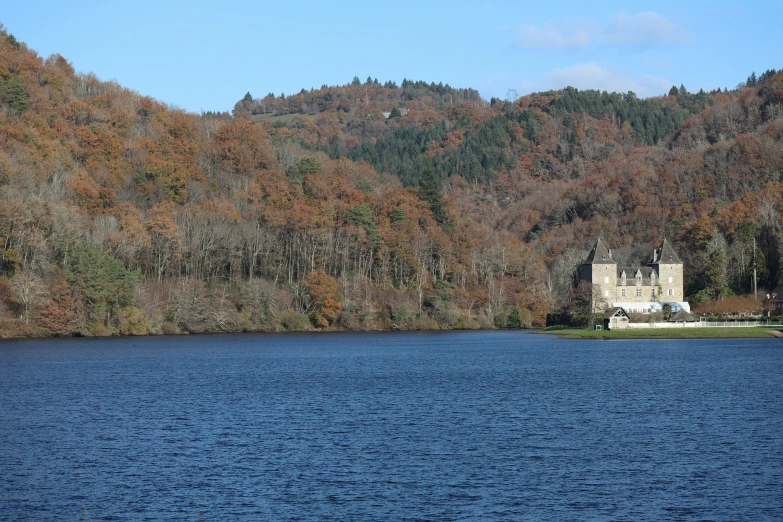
[(120, 215)]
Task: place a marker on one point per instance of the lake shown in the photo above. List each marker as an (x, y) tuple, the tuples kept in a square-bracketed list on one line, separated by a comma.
[(391, 426)]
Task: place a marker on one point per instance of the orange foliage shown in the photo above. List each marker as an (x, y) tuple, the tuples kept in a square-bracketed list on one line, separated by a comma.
[(322, 289), (730, 306), (58, 316), (243, 146)]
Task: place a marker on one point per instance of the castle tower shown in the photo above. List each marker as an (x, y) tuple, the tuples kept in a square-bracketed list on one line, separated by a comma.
[(669, 267), (600, 270)]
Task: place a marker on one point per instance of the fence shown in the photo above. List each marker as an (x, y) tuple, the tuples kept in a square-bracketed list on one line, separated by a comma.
[(704, 324)]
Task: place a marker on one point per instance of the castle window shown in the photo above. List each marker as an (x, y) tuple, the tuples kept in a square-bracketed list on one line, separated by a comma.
[(652, 292), (622, 279), (671, 292), (623, 292), (606, 293), (638, 278), (652, 278), (606, 279), (638, 292), (670, 279)]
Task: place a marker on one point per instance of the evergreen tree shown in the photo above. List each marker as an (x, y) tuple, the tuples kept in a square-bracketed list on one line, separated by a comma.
[(398, 216), (430, 191), (248, 97), (713, 278), (105, 283), (361, 216), (13, 93), (298, 172), (11, 39), (356, 81), (751, 80), (674, 91), (766, 75)]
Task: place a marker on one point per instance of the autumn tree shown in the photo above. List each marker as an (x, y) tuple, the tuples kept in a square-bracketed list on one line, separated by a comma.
[(165, 237), (322, 293), (243, 146), (59, 316)]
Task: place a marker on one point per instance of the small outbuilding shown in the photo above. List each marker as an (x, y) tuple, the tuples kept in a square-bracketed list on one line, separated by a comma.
[(616, 318), (683, 317)]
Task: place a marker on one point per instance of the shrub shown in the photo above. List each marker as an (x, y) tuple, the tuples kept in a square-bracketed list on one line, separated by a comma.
[(133, 321), (424, 322), (295, 322)]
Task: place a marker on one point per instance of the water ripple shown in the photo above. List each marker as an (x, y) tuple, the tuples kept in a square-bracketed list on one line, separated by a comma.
[(454, 426)]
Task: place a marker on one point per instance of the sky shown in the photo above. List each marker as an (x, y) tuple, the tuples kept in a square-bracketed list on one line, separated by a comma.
[(202, 56)]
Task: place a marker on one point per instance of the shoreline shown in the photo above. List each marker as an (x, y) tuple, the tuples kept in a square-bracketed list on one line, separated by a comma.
[(709, 332), (269, 332), (568, 333)]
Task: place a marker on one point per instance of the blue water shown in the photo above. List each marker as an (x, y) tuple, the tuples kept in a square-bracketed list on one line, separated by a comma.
[(402, 426)]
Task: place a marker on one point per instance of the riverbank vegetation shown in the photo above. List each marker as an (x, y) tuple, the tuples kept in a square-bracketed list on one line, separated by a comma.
[(121, 215)]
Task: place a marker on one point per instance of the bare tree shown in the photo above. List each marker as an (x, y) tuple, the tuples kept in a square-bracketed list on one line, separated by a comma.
[(29, 290)]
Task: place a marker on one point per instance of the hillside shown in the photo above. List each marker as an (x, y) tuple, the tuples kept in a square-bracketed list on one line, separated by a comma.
[(119, 215)]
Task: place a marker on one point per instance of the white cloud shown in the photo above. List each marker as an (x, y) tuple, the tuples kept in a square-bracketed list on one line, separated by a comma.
[(594, 76), (645, 28), (534, 37), (640, 29)]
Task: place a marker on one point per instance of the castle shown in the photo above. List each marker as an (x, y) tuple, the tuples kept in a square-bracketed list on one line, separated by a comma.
[(636, 289)]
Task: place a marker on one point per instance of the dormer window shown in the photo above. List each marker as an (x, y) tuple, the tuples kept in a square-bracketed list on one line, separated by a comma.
[(638, 278), (652, 278)]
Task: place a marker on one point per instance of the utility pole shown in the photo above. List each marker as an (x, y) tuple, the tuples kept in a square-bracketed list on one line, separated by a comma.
[(755, 288)]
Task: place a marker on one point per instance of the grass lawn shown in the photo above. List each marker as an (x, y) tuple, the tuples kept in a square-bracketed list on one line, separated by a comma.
[(662, 333)]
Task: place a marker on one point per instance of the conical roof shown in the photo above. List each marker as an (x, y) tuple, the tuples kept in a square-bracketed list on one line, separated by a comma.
[(599, 255), (667, 255)]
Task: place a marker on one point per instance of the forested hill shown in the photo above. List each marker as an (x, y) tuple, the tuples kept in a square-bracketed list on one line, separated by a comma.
[(365, 206)]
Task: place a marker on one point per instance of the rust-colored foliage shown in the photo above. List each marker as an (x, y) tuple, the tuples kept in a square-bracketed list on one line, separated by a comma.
[(59, 316), (322, 290), (271, 193), (243, 146)]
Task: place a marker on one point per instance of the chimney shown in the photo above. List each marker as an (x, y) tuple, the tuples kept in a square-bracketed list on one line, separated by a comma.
[(655, 255)]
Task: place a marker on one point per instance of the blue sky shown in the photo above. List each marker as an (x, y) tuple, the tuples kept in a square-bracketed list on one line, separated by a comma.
[(205, 55)]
